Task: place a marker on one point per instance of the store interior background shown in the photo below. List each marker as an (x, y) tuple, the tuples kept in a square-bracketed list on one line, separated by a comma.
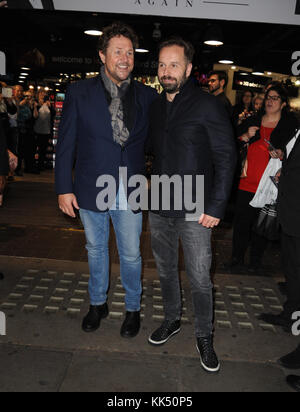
[(55, 49)]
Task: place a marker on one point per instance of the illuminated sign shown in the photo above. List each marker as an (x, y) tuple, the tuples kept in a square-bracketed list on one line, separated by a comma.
[(265, 11)]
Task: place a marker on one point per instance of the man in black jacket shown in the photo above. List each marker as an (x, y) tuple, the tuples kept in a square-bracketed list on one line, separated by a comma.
[(217, 82), (289, 218), (190, 136)]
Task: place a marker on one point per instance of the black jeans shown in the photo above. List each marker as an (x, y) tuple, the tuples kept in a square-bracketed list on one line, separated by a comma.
[(26, 151), (290, 247), (196, 243), (243, 235)]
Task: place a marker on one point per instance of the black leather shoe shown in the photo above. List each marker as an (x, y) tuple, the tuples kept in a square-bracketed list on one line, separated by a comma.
[(292, 360), (131, 325), (161, 335), (208, 357), (294, 382), (93, 319)]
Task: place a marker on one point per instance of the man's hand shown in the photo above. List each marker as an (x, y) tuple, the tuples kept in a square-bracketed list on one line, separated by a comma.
[(67, 203), (209, 221), (277, 154), (252, 131), (3, 3)]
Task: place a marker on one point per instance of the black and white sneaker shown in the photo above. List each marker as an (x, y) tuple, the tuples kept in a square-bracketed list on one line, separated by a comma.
[(208, 357), (165, 332)]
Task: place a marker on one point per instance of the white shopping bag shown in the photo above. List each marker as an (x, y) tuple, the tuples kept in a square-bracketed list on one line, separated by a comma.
[(267, 192)]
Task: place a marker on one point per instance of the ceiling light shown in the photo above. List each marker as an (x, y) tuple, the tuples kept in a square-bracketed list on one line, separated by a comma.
[(93, 32), (25, 68), (24, 74), (297, 83), (258, 70), (225, 55), (214, 36), (22, 77), (233, 67), (269, 73), (21, 81), (141, 50), (226, 61)]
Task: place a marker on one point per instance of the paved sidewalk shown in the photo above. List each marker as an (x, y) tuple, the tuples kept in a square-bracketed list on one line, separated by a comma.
[(45, 349), (44, 298)]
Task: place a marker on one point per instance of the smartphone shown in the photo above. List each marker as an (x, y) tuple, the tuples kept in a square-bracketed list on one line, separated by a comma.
[(7, 92), (270, 145)]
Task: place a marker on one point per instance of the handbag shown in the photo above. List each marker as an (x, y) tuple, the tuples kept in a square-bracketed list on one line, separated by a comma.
[(267, 224)]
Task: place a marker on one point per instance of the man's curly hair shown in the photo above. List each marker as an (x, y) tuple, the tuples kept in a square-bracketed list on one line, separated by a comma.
[(117, 29)]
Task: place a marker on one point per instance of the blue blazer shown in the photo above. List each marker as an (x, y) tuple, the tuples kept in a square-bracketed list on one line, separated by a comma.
[(85, 135)]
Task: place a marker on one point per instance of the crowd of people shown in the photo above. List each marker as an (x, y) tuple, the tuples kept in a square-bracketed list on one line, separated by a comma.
[(26, 120)]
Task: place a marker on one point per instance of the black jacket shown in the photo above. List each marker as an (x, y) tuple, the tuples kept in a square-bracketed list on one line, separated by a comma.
[(3, 152), (195, 139), (280, 136), (226, 102), (289, 193)]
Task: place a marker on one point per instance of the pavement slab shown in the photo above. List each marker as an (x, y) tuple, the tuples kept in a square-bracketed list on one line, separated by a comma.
[(31, 370)]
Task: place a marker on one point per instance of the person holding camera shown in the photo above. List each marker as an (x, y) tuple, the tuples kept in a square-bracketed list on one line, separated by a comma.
[(43, 114), (27, 144)]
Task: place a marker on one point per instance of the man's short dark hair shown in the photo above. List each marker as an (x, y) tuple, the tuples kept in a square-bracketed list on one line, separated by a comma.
[(117, 29), (222, 75), (189, 50)]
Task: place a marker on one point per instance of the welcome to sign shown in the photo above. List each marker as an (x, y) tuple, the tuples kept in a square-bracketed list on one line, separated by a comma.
[(265, 11)]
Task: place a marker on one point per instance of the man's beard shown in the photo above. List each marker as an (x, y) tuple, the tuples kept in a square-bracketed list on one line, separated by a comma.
[(172, 88), (212, 91)]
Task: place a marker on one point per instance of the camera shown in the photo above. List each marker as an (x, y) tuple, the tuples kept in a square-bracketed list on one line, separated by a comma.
[(46, 99)]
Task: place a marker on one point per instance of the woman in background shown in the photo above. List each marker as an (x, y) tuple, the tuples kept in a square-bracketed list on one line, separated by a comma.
[(267, 134)]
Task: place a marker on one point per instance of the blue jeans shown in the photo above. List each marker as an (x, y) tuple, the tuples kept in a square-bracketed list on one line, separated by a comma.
[(128, 229), (196, 243)]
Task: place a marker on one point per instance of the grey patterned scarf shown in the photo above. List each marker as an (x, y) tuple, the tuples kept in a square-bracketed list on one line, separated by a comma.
[(120, 132)]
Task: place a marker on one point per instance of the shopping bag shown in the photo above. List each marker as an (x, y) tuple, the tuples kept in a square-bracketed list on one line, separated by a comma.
[(267, 192), (267, 224)]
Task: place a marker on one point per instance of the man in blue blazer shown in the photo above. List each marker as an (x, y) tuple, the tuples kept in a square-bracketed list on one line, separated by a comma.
[(104, 127)]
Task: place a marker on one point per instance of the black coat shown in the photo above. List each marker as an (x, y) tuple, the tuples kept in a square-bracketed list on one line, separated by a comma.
[(3, 152), (195, 139), (289, 193), (280, 136)]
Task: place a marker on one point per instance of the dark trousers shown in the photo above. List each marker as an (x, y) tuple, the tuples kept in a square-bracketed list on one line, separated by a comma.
[(243, 235), (43, 143), (12, 140), (290, 247), (26, 151), (196, 243)]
